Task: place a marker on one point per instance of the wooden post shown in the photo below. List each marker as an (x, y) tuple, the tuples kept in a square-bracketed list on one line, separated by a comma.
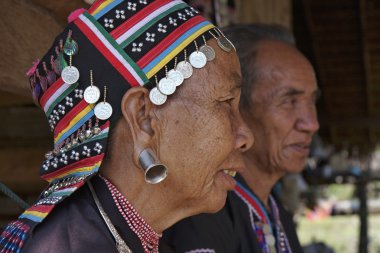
[(363, 213)]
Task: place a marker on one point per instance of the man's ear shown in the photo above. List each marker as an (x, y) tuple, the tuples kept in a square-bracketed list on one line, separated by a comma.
[(136, 110)]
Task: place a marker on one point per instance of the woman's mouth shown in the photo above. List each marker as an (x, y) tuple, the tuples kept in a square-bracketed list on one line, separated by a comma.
[(231, 173)]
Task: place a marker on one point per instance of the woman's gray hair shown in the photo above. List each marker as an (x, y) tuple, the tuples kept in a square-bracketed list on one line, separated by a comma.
[(246, 39)]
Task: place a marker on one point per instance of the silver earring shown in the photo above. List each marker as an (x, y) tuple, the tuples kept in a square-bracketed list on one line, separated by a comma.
[(154, 170)]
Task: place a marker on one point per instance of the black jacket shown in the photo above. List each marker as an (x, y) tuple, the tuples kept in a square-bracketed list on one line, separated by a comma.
[(76, 225), (227, 231)]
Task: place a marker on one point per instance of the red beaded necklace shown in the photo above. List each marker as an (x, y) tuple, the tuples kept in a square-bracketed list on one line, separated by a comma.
[(148, 237)]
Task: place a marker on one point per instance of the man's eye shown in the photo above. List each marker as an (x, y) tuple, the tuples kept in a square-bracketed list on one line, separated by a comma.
[(290, 101)]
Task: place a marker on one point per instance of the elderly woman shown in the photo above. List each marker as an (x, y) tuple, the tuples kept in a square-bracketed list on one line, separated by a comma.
[(142, 99)]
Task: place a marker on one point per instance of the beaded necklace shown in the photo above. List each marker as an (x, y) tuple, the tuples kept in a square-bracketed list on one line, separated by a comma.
[(269, 232), (148, 237)]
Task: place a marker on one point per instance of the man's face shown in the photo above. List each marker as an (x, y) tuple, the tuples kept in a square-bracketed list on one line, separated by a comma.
[(282, 115)]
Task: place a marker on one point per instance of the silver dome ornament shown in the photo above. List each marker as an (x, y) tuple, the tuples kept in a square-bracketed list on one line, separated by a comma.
[(103, 110), (96, 130), (91, 93), (197, 59), (156, 97)]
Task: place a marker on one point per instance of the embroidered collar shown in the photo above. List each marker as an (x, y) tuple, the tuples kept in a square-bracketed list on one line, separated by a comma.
[(269, 232)]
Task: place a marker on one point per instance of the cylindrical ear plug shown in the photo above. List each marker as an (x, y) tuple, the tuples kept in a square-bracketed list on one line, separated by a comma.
[(154, 171)]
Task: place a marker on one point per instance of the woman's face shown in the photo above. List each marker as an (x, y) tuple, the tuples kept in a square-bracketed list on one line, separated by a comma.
[(202, 134)]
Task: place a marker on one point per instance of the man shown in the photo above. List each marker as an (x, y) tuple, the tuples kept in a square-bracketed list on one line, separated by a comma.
[(278, 103)]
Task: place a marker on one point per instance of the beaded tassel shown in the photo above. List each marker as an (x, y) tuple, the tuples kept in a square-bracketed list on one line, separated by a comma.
[(13, 237)]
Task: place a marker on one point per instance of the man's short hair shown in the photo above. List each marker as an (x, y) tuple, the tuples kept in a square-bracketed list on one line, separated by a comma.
[(246, 39)]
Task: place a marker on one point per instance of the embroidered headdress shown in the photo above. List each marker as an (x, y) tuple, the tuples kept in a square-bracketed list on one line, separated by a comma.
[(79, 83)]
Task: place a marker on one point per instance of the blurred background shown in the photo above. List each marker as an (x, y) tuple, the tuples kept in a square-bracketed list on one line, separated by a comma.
[(335, 201)]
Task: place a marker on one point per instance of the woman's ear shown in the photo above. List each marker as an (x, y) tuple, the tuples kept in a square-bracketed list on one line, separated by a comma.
[(136, 110)]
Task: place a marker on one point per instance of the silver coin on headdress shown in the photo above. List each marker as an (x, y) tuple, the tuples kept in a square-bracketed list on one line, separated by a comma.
[(157, 97), (197, 59), (225, 44), (266, 229), (103, 110), (208, 51), (166, 86), (91, 94), (70, 74), (185, 68), (270, 240), (176, 76)]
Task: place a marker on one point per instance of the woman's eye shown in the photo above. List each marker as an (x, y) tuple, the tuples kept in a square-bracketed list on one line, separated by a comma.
[(228, 100)]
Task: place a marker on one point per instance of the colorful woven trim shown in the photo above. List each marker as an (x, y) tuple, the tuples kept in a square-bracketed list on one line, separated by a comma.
[(270, 234), (13, 237), (152, 33), (62, 183), (251, 200), (107, 46)]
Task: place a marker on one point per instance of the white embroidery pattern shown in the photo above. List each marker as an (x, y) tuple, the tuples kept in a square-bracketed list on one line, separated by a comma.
[(150, 37), (173, 21), (131, 6), (162, 28), (108, 23), (120, 14), (137, 47), (181, 16)]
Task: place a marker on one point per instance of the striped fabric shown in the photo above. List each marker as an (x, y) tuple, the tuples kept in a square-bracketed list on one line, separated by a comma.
[(37, 213), (139, 23), (57, 92), (107, 46), (175, 48), (251, 200), (104, 7), (83, 166), (73, 120)]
